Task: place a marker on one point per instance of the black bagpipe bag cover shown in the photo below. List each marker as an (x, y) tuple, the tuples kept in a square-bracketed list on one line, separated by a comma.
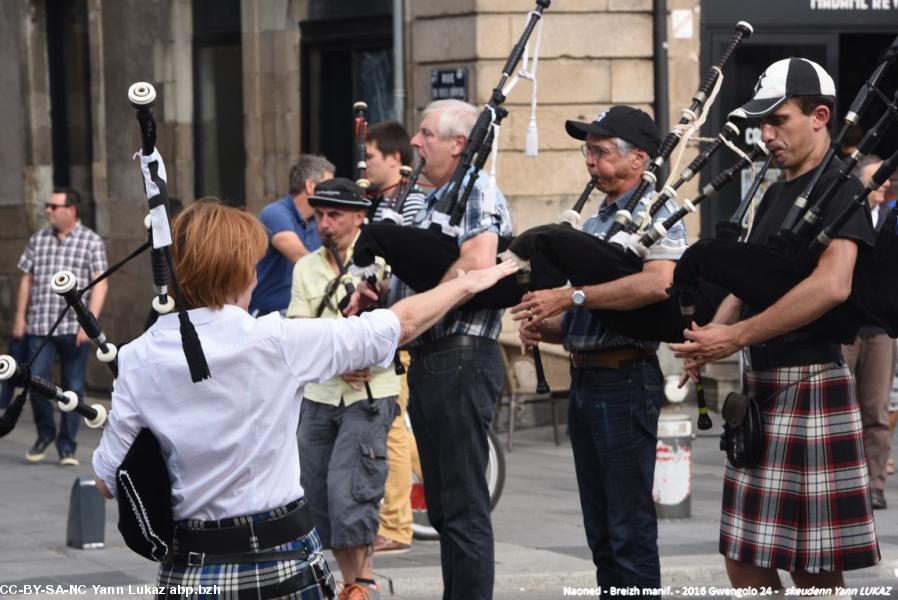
[(144, 498), (759, 275), (420, 258)]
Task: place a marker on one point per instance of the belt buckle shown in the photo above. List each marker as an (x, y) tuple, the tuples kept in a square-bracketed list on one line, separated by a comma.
[(322, 575), (196, 559)]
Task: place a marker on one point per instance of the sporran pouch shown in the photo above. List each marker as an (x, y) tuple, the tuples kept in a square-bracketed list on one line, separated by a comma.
[(743, 432)]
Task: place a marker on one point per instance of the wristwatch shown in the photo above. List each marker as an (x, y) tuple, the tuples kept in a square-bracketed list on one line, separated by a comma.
[(578, 297)]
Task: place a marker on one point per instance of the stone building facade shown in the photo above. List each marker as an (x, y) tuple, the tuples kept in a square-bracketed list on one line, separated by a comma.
[(594, 53)]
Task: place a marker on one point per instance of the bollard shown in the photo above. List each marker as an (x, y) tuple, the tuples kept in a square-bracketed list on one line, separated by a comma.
[(86, 528), (672, 490)]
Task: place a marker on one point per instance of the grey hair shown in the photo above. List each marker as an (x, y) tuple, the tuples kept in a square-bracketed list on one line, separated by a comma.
[(863, 163), (308, 167), (623, 146), (457, 117)]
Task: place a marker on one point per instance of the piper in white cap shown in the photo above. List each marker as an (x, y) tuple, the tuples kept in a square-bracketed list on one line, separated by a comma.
[(804, 507)]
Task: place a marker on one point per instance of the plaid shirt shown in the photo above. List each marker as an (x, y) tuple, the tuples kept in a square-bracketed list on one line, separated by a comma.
[(81, 251), (478, 219), (582, 332)]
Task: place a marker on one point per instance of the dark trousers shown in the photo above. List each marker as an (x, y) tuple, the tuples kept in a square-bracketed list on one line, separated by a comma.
[(73, 361), (613, 423), (452, 399)]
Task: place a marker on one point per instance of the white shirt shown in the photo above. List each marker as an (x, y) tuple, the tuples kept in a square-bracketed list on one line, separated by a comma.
[(230, 441)]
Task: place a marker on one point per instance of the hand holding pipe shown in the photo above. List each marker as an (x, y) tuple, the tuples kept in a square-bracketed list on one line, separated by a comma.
[(64, 284), (10, 372)]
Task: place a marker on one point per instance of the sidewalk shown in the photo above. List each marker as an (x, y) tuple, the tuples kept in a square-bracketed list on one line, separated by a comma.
[(540, 545)]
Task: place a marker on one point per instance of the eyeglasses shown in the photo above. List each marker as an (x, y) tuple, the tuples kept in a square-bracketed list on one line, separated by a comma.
[(55, 206), (597, 152)]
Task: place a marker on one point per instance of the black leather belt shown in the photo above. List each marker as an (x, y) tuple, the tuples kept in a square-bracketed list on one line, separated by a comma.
[(451, 342), (237, 540), (793, 354)]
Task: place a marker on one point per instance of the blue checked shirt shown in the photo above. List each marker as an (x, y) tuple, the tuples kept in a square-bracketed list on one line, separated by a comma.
[(584, 333), (478, 219), (81, 251)]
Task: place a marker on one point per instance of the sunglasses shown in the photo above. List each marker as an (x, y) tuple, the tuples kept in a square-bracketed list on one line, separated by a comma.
[(55, 206)]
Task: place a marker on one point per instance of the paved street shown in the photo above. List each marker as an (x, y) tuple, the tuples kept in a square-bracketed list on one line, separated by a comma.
[(540, 546)]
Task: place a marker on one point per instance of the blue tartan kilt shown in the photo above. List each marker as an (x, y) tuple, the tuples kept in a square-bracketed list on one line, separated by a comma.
[(806, 506), (268, 580)]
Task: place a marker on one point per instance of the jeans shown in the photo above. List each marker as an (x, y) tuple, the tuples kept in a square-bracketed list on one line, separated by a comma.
[(73, 361), (613, 423), (452, 402)]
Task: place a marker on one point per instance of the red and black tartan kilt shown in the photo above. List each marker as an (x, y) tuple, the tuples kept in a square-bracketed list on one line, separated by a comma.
[(807, 505)]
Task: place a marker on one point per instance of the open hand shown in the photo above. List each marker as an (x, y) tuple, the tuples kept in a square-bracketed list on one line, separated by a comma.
[(481, 279)]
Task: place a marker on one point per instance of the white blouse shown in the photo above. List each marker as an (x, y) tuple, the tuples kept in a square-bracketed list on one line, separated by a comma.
[(230, 441)]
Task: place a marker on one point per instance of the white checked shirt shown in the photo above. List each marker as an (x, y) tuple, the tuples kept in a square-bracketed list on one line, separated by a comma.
[(81, 251), (478, 219), (230, 441)]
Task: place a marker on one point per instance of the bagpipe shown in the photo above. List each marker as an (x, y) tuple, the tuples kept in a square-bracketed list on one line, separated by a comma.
[(760, 275), (691, 119), (421, 257), (142, 97)]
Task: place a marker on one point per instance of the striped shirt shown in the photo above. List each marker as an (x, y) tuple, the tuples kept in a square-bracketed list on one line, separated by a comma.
[(480, 217), (581, 331), (81, 251), (414, 202)]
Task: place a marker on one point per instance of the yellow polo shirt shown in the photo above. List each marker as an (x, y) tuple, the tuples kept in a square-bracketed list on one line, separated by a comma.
[(312, 275)]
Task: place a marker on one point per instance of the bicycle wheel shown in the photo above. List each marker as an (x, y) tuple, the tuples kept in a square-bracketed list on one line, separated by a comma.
[(495, 480)]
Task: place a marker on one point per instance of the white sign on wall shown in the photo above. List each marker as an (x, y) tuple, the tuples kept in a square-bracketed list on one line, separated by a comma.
[(681, 23)]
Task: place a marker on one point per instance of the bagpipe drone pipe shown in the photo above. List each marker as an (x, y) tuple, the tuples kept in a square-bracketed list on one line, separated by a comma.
[(760, 275), (559, 253), (421, 257), (142, 96)]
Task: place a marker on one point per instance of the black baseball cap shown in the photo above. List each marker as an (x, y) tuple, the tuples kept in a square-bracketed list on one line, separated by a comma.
[(783, 80), (339, 192), (624, 122)]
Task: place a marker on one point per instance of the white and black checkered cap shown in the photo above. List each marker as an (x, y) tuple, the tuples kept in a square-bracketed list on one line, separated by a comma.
[(339, 192), (783, 80)]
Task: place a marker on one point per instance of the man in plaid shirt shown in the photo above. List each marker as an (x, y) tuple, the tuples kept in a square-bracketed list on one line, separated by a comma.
[(65, 245), (456, 372)]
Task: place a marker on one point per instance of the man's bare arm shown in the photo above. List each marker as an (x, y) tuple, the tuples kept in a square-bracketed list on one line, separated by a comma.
[(289, 244), (478, 252), (19, 325)]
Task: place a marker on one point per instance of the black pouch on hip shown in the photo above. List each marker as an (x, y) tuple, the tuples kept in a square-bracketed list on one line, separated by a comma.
[(144, 499), (743, 434)]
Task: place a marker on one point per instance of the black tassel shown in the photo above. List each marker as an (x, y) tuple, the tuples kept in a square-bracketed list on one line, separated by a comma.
[(193, 350)]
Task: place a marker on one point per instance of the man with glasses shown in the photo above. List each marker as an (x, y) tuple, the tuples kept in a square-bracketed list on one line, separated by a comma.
[(616, 382), (65, 245)]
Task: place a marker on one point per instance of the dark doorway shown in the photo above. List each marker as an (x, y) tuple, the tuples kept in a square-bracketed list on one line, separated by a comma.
[(343, 61), (858, 53), (68, 63), (219, 152)]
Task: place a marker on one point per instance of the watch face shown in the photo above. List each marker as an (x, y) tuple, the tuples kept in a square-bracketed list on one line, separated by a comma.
[(578, 297)]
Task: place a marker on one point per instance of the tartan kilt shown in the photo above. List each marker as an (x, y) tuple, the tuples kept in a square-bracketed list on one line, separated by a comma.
[(251, 581), (806, 506)]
